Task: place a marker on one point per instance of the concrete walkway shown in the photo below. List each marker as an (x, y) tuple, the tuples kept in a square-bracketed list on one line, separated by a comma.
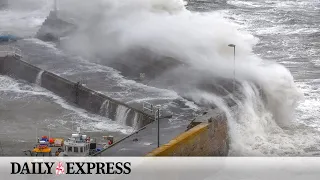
[(146, 140)]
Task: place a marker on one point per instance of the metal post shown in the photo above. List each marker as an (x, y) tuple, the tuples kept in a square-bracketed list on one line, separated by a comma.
[(155, 110), (37, 138), (158, 114), (234, 65), (234, 68)]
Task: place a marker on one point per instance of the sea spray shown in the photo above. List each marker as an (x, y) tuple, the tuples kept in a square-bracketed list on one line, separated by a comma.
[(104, 108), (255, 131), (251, 125), (39, 78), (23, 18), (122, 114), (135, 121), (198, 40)]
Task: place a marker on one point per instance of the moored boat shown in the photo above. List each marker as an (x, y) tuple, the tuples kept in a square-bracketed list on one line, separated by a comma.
[(76, 145)]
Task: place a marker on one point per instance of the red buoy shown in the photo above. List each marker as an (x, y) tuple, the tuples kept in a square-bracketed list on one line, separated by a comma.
[(110, 142)]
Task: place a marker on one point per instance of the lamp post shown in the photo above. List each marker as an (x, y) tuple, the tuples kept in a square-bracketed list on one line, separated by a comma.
[(158, 117), (234, 65), (155, 110)]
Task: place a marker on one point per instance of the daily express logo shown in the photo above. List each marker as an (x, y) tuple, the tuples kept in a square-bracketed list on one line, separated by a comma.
[(71, 168)]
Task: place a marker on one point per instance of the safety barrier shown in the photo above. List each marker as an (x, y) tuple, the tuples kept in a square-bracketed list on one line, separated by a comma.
[(147, 106)]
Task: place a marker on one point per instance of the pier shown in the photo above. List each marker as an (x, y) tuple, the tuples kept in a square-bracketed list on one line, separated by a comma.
[(152, 136)]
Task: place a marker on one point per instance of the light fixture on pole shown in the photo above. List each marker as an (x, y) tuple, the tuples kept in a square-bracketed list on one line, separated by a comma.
[(157, 117), (234, 65), (155, 110)]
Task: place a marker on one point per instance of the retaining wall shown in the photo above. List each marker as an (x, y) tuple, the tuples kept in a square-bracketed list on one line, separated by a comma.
[(81, 96), (209, 137)]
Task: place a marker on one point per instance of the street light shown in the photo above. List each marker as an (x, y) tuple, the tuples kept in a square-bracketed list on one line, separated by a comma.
[(234, 65), (157, 117), (156, 110)]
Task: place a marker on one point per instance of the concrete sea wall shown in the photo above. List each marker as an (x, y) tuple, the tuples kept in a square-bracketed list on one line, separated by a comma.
[(75, 93), (206, 136)]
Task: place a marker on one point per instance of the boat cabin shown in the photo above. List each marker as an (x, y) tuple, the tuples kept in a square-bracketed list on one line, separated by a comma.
[(77, 145)]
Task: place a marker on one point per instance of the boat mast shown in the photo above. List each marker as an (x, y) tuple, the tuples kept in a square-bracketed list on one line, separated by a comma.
[(36, 134)]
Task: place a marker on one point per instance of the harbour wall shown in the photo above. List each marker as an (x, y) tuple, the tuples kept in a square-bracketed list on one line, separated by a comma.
[(75, 93), (206, 136)]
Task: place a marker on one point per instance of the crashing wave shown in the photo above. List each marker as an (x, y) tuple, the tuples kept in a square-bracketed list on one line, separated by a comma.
[(185, 51)]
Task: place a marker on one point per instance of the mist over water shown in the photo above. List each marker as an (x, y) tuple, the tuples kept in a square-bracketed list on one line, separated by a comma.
[(113, 30), (23, 17), (199, 40)]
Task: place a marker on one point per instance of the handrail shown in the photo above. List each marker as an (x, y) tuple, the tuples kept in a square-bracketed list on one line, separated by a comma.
[(124, 138), (150, 108)]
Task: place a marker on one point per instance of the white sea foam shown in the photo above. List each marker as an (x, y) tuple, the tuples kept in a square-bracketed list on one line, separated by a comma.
[(23, 17), (199, 40), (23, 90)]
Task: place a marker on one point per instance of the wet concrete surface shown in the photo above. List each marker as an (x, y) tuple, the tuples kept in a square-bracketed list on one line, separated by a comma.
[(145, 141)]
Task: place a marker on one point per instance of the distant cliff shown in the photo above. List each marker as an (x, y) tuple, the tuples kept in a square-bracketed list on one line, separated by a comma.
[(53, 28)]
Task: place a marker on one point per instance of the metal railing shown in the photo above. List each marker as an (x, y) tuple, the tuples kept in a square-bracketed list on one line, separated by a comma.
[(155, 110), (147, 106), (7, 50)]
